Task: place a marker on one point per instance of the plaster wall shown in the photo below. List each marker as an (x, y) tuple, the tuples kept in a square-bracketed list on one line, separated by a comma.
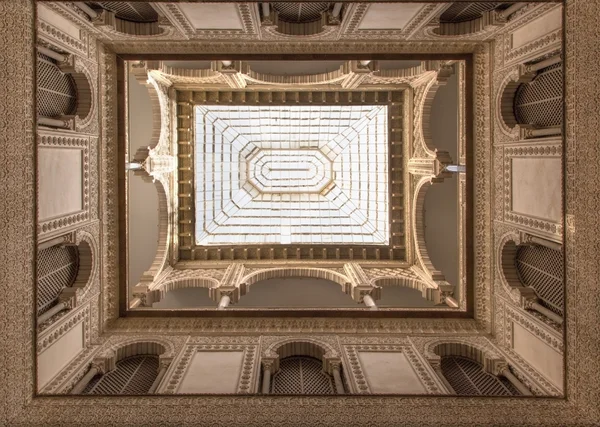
[(58, 21), (142, 196), (52, 360), (390, 372), (538, 354), (537, 28), (441, 200), (213, 372), (536, 187), (60, 182)]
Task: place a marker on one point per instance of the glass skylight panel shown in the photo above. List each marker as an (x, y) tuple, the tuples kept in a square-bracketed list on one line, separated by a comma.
[(292, 175)]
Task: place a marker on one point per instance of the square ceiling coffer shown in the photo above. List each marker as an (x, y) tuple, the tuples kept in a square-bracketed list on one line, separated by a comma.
[(312, 174)]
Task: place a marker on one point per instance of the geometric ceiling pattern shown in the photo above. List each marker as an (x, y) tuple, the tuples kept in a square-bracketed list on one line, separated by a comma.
[(301, 174)]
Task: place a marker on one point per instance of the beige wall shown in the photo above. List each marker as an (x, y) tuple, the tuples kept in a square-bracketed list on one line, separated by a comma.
[(143, 198)]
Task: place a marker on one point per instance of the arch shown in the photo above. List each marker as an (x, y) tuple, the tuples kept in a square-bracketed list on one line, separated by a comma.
[(86, 97), (130, 375), (505, 114), (475, 19), (88, 266), (317, 273), (427, 292), (159, 144), (139, 346), (57, 271), (56, 89), (467, 377), (506, 269), (541, 268), (418, 223), (305, 346), (477, 352), (156, 295), (422, 145), (538, 103), (301, 375)]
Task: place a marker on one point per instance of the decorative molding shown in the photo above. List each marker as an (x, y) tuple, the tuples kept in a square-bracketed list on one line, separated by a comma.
[(360, 381), (64, 139), (548, 150), (247, 382)]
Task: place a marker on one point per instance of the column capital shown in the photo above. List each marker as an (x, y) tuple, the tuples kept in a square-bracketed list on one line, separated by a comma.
[(267, 363)]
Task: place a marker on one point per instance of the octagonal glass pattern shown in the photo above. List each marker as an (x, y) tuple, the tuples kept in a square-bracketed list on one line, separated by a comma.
[(291, 174)]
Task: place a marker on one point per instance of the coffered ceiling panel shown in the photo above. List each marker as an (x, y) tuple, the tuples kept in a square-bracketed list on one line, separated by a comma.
[(386, 16), (212, 16)]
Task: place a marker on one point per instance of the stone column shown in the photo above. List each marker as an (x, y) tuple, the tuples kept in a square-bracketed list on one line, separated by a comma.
[(542, 64), (224, 303), (163, 366), (528, 132), (506, 373), (369, 302), (52, 54), (530, 301), (66, 301), (55, 123), (527, 238), (86, 9), (510, 10), (456, 168), (336, 366), (267, 365)]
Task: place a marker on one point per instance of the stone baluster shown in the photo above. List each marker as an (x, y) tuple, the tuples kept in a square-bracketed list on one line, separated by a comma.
[(267, 365)]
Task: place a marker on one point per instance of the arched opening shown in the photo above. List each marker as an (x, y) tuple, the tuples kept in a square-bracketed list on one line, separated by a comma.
[(299, 19), (56, 91), (185, 298), (539, 103), (134, 370), (397, 296), (301, 375), (467, 18), (137, 18), (468, 378), (301, 367), (57, 269), (542, 269), (132, 375), (295, 292)]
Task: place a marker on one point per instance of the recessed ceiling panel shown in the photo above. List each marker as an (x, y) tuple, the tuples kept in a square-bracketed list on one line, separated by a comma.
[(389, 16), (292, 174), (212, 16)]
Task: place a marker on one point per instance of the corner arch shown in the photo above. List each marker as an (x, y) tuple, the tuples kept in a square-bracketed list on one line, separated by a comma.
[(158, 294), (427, 291), (418, 223), (317, 273)]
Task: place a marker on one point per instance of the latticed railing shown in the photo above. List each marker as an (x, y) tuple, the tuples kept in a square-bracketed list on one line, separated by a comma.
[(542, 269), (135, 12), (462, 12), (467, 377), (133, 375), (301, 375), (56, 91), (57, 269), (540, 102)]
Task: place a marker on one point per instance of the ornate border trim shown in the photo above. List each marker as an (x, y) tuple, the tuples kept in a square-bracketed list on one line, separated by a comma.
[(54, 139), (360, 381), (247, 379), (546, 149)]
